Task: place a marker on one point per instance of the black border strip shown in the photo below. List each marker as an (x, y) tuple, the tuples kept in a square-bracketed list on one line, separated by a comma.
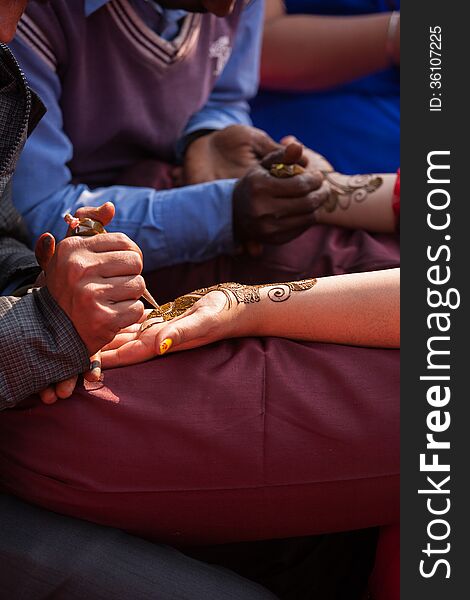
[(425, 131)]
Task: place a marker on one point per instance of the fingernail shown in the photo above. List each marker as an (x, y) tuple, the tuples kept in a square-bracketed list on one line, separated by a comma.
[(95, 364), (95, 371), (166, 345)]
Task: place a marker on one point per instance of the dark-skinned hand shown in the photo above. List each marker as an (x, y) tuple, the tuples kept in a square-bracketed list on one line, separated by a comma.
[(225, 154), (271, 210)]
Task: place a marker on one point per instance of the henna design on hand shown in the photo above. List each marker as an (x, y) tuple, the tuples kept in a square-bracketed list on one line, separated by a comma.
[(356, 188), (243, 294)]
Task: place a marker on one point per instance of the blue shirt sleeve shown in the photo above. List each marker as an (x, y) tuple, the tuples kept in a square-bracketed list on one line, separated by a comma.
[(186, 224), (238, 82)]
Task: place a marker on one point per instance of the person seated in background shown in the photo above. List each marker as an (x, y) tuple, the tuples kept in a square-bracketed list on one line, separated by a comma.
[(125, 83), (101, 68), (92, 290), (330, 76)]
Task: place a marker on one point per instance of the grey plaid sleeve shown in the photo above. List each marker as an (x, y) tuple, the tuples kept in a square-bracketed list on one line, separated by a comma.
[(38, 346)]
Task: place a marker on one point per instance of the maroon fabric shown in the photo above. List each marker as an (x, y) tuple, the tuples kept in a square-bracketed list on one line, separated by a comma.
[(241, 440), (320, 251), (384, 582), (150, 173)]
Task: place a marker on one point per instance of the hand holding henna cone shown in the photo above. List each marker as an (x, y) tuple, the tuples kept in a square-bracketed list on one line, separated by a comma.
[(90, 227), (86, 227), (281, 171)]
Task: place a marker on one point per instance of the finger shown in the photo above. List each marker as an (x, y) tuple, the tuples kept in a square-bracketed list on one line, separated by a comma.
[(305, 205), (44, 249), (118, 289), (48, 396), (133, 352), (188, 331), (127, 333), (284, 207), (297, 222), (289, 139), (285, 230), (111, 242), (147, 311), (100, 244), (287, 208), (263, 182), (64, 389), (94, 373), (118, 264), (288, 155), (130, 333), (298, 187), (127, 313), (263, 144), (104, 213)]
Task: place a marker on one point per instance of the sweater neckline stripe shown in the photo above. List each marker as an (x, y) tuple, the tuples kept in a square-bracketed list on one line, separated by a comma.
[(141, 34), (168, 47), (34, 42), (137, 41)]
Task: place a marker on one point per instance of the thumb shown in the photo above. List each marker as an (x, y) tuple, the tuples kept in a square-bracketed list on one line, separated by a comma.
[(104, 213), (289, 155), (289, 139), (189, 331), (263, 144), (44, 249)]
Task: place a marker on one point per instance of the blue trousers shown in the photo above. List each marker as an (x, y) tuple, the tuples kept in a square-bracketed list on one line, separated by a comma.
[(44, 555)]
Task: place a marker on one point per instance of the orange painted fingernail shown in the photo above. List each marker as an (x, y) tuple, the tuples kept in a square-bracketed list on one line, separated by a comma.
[(166, 345)]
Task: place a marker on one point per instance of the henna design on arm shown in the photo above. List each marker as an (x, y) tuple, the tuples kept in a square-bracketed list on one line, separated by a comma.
[(356, 188), (243, 294)]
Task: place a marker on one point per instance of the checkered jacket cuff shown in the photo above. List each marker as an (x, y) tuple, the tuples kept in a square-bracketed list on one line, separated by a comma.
[(38, 346)]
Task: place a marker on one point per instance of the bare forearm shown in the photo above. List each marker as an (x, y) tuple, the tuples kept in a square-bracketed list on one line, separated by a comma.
[(359, 202), (359, 309), (309, 52)]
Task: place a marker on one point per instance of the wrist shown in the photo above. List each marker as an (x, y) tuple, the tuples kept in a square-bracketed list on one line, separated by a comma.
[(329, 204), (243, 320), (188, 142)]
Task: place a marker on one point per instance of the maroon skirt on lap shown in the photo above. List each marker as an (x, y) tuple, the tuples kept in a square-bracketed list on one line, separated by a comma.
[(240, 440)]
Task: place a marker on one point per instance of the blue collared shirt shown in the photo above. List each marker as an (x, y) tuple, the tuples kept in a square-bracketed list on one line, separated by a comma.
[(185, 224)]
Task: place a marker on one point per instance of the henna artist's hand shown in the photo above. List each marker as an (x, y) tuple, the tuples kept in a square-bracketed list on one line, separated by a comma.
[(272, 210), (62, 389), (226, 154), (96, 281)]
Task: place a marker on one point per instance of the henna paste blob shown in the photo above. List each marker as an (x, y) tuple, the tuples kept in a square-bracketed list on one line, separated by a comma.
[(282, 171)]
